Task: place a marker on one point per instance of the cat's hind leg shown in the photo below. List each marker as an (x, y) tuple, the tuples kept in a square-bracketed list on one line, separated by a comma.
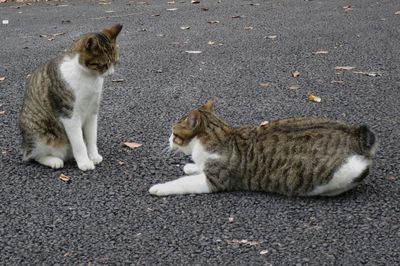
[(193, 184), (50, 156), (346, 177), (191, 168)]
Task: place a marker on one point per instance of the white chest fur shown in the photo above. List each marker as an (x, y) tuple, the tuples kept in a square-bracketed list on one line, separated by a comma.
[(200, 155), (86, 86)]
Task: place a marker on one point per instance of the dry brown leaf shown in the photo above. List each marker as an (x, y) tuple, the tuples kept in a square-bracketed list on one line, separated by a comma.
[(132, 145), (314, 98), (195, 1), (2, 78), (369, 74), (211, 43), (118, 80), (254, 4), (264, 123), (392, 178), (231, 220), (121, 162), (68, 254), (213, 21), (2, 112), (171, 2), (204, 8), (263, 252), (344, 68), (320, 52), (397, 13), (295, 74), (348, 8), (238, 16), (264, 85), (185, 27), (248, 28), (65, 178)]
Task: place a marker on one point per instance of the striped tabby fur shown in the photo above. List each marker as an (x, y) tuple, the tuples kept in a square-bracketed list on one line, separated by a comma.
[(295, 156)]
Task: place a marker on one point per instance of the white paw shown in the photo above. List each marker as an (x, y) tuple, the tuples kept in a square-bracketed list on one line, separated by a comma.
[(96, 159), (160, 190), (55, 163), (86, 165), (190, 168)]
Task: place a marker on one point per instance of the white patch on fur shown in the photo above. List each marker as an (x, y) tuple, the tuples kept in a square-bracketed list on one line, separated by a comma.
[(50, 161), (185, 185), (196, 183), (87, 87), (343, 178), (191, 168), (44, 150)]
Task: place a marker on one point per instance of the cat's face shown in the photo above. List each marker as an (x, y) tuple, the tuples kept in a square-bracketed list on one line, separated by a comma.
[(99, 51), (189, 127)]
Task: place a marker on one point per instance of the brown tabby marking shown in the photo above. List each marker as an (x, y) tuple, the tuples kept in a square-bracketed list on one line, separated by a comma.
[(288, 156)]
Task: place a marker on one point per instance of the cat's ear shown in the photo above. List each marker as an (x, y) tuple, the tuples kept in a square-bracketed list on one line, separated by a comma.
[(113, 31), (209, 106), (90, 43), (193, 119)]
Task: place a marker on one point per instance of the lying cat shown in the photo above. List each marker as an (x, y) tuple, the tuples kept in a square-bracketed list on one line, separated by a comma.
[(62, 97), (295, 156)]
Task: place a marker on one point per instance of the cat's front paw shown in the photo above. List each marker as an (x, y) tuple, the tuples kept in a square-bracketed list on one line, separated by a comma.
[(86, 165), (190, 168), (160, 190), (96, 159)]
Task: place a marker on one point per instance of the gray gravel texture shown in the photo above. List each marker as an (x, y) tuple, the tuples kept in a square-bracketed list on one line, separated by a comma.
[(107, 216)]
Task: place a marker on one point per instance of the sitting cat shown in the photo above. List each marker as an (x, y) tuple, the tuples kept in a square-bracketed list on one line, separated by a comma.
[(61, 102), (295, 156)]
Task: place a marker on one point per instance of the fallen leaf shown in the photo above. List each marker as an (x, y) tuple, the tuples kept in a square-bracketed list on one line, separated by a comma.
[(320, 52), (132, 145), (68, 254), (193, 52), (248, 28), (314, 98), (185, 27), (195, 1), (121, 162), (118, 80), (294, 87), (263, 252), (2, 78), (211, 43), (264, 85), (369, 74), (204, 8), (238, 16), (295, 74), (213, 21), (264, 123), (172, 9), (254, 4), (337, 81), (271, 37), (155, 15), (2, 112), (392, 178), (231, 220), (65, 21), (171, 2), (50, 36), (397, 13), (65, 178), (348, 8), (344, 68)]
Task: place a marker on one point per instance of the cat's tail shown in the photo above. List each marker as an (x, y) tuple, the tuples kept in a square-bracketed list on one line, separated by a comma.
[(368, 140)]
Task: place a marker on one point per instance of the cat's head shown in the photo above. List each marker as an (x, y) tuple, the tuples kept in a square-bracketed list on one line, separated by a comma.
[(192, 126), (98, 51)]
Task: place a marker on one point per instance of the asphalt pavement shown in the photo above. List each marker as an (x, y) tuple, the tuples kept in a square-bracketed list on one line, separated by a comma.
[(249, 51)]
